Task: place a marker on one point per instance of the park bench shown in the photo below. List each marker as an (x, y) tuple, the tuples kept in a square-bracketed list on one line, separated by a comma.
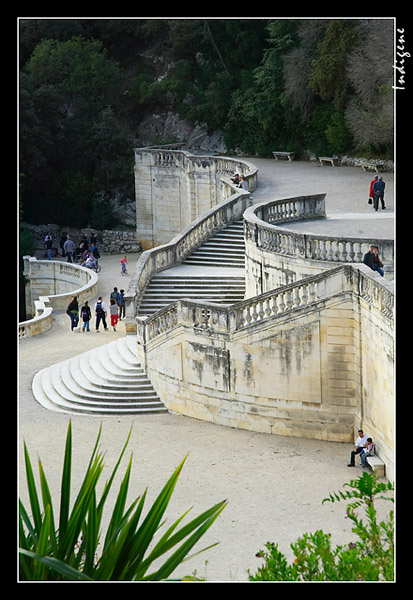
[(377, 167), (376, 464), (334, 160), (289, 155)]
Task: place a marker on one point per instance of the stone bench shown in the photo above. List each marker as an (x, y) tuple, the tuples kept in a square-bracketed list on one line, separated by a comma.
[(377, 167), (376, 464), (334, 160), (288, 155)]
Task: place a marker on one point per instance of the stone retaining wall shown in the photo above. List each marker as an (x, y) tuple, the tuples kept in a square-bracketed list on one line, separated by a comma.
[(110, 241)]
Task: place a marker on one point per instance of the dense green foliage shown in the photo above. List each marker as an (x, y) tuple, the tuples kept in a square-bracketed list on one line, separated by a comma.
[(309, 85)]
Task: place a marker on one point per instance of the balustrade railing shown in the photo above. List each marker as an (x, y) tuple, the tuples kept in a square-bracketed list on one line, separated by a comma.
[(209, 318), (262, 228)]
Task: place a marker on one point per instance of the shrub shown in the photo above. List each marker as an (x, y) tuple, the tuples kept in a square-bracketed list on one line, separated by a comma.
[(371, 558)]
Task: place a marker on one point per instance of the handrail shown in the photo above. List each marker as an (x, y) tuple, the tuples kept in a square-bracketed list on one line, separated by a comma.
[(263, 229), (211, 318)]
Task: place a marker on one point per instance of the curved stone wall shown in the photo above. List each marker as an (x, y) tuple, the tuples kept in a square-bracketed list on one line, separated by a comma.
[(276, 256), (311, 359), (51, 285)]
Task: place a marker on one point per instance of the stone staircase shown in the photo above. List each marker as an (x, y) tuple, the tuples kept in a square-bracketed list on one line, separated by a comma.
[(107, 380), (219, 278), (226, 248)]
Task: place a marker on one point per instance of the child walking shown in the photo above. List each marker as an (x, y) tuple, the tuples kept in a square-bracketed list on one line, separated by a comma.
[(123, 262), (113, 313)]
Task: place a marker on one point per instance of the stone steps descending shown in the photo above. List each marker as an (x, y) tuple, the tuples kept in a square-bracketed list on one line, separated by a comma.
[(224, 250), (107, 380)]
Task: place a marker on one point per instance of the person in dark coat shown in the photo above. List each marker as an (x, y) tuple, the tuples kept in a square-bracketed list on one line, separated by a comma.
[(372, 260), (378, 189)]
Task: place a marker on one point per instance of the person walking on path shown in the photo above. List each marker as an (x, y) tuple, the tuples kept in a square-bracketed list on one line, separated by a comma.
[(371, 191), (69, 248), (123, 262), (121, 304), (361, 441), (100, 311), (86, 315), (73, 312), (378, 189), (48, 244), (113, 313)]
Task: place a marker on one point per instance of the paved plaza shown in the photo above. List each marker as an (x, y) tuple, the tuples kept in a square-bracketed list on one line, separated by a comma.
[(274, 485)]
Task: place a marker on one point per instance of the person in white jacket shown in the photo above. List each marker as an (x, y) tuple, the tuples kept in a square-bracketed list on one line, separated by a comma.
[(361, 441)]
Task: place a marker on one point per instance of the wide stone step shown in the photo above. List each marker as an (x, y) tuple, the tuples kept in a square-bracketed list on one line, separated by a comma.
[(105, 380), (226, 248)]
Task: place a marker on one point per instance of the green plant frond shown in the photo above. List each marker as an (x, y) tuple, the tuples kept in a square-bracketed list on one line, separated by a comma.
[(66, 483), (31, 539), (150, 524), (177, 557), (33, 497), (109, 483), (47, 502), (42, 546), (66, 571)]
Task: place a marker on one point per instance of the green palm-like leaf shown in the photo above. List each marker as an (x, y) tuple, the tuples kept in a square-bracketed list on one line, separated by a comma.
[(70, 552)]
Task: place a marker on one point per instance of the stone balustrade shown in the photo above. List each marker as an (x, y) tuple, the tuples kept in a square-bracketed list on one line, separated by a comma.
[(231, 208), (357, 280), (262, 228)]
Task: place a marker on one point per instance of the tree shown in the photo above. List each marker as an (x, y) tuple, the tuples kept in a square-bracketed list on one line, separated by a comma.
[(70, 93)]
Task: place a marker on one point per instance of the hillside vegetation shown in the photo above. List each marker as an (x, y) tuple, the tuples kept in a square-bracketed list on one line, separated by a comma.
[(317, 86)]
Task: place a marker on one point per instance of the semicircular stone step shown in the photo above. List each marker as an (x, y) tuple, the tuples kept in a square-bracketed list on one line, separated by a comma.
[(107, 380)]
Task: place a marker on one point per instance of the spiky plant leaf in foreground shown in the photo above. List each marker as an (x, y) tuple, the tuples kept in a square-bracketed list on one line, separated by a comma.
[(68, 549)]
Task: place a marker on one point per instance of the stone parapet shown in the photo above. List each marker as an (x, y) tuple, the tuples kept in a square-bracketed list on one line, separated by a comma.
[(277, 256), (50, 286), (168, 255)]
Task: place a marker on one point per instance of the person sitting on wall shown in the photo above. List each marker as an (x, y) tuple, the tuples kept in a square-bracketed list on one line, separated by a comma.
[(372, 260), (243, 183), (368, 450), (235, 179), (359, 447)]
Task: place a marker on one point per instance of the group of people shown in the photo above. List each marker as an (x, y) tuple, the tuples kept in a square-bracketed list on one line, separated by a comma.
[(376, 193), (116, 311), (240, 181), (364, 447), (86, 252)]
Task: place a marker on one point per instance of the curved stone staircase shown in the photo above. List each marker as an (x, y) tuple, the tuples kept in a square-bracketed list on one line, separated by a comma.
[(107, 380)]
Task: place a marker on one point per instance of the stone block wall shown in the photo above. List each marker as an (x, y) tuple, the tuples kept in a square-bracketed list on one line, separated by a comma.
[(303, 372), (173, 188)]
